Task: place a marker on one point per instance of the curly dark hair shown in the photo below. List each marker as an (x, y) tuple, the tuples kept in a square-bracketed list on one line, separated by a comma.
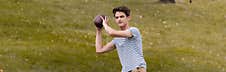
[(123, 9)]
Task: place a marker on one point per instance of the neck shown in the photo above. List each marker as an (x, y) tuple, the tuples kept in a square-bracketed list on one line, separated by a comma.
[(125, 27)]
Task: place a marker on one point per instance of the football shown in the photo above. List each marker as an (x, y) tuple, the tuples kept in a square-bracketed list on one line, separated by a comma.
[(98, 21)]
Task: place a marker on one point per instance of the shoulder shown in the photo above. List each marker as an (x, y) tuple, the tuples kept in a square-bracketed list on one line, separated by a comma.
[(134, 30)]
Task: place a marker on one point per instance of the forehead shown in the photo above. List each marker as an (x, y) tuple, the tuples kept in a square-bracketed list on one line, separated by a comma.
[(120, 14)]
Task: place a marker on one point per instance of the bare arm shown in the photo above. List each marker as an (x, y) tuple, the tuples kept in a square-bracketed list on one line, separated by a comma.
[(99, 47), (113, 32)]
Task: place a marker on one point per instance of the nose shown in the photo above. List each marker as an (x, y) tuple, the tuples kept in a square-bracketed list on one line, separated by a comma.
[(119, 19)]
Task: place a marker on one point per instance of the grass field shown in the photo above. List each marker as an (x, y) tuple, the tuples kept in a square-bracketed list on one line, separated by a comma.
[(59, 36)]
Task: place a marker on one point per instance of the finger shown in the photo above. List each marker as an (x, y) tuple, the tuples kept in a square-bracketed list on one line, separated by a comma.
[(105, 17), (98, 28), (102, 18)]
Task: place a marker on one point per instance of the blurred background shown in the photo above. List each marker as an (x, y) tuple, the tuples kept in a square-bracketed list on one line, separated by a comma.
[(59, 35)]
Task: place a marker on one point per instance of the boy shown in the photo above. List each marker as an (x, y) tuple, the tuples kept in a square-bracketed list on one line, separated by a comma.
[(127, 41)]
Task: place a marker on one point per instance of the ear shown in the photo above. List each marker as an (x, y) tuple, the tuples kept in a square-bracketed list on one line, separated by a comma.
[(128, 17)]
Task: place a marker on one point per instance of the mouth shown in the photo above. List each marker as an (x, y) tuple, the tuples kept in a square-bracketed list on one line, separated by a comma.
[(119, 22)]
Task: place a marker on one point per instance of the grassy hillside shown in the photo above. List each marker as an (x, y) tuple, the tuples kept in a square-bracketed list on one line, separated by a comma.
[(59, 36)]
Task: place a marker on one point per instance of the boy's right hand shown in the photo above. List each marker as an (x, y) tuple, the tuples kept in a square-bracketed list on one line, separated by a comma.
[(98, 29)]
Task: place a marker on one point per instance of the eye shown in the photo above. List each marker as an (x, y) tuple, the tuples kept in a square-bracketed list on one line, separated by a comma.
[(116, 17), (122, 16)]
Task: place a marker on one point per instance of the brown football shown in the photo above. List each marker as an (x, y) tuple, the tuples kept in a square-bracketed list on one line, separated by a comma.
[(98, 21)]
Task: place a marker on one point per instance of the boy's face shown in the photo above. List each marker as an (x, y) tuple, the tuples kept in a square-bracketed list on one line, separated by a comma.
[(121, 19)]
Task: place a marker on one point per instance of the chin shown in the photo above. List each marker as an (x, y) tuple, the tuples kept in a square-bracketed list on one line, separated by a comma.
[(121, 25)]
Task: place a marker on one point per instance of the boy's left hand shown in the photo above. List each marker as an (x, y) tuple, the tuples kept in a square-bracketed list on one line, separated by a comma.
[(105, 20)]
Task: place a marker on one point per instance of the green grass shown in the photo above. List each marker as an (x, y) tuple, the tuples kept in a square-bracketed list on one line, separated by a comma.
[(59, 36)]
